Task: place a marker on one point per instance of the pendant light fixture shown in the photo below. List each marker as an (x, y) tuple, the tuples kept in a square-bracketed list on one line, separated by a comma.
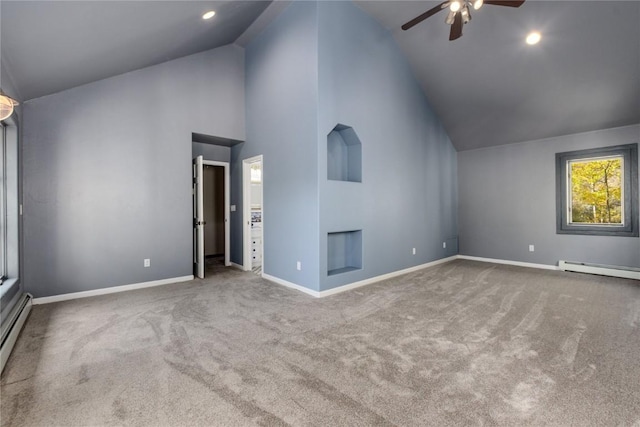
[(7, 105)]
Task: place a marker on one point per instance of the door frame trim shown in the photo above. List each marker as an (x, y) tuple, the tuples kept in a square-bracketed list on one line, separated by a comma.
[(246, 212), (198, 215)]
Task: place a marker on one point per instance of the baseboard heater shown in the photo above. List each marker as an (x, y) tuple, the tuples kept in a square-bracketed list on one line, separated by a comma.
[(11, 328), (600, 269)]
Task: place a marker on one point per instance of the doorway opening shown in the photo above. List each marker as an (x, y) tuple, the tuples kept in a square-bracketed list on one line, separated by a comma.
[(253, 214), (211, 216), (213, 207)]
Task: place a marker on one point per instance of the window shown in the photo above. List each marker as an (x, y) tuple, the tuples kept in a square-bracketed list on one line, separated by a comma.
[(10, 286), (3, 205), (9, 204), (597, 191)]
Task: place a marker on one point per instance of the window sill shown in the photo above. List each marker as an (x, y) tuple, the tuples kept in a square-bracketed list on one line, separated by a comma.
[(599, 231), (6, 285)]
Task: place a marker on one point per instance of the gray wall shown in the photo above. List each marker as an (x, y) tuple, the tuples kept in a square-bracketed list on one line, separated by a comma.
[(507, 202), (107, 171), (281, 101), (214, 152), (407, 198), (323, 63)]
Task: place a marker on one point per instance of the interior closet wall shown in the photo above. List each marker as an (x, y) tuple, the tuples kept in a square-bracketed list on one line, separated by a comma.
[(213, 210)]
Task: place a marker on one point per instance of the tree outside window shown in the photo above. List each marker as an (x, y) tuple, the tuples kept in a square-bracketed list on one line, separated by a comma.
[(596, 191)]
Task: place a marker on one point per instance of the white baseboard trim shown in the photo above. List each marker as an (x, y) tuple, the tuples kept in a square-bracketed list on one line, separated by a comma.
[(238, 266), (111, 290), (358, 284), (508, 262), (386, 276), (291, 285), (316, 294)]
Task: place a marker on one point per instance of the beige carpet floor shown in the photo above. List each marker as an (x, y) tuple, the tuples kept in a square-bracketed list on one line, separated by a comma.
[(463, 343)]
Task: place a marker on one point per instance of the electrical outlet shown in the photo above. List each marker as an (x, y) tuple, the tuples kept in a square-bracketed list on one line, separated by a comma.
[(233, 208), (147, 262), (298, 265), (444, 245), (531, 248), (414, 251)]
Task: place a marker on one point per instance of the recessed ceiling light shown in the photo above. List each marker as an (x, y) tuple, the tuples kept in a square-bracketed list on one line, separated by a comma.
[(209, 15), (533, 38)]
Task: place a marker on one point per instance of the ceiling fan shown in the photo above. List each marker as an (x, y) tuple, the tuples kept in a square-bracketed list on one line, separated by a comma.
[(459, 13)]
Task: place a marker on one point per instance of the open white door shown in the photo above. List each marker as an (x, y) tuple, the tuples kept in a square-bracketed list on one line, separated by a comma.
[(198, 218), (253, 214)]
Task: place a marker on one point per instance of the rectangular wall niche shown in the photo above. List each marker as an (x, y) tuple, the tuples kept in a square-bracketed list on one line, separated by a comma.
[(344, 154), (344, 251)]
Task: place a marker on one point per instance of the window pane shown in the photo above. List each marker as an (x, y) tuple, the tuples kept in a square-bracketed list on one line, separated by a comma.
[(3, 211), (256, 173), (596, 191)]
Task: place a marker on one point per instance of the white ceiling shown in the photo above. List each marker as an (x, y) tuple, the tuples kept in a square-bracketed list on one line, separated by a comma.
[(488, 87)]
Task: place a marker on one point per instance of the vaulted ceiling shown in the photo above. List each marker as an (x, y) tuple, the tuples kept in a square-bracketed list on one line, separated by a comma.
[(488, 87), (49, 46)]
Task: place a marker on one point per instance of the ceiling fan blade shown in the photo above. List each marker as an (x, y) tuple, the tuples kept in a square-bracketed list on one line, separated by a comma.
[(427, 14), (456, 27), (504, 3)]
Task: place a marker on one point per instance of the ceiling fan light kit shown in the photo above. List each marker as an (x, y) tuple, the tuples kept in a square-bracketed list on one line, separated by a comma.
[(466, 16), (7, 105), (459, 13), (450, 17)]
